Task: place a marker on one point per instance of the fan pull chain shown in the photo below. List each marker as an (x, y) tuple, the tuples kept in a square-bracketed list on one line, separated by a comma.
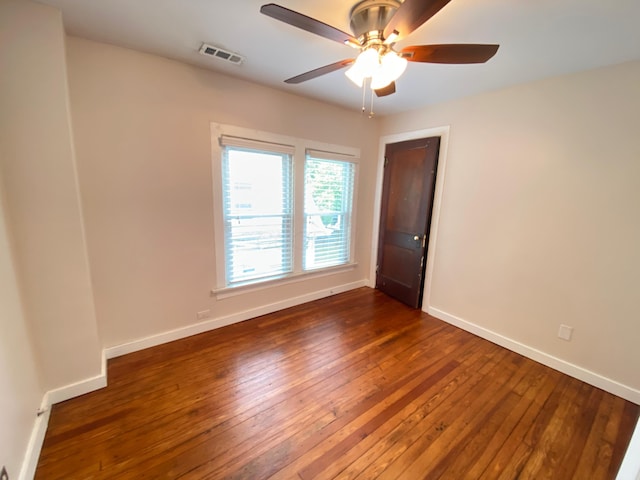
[(371, 114), (364, 97)]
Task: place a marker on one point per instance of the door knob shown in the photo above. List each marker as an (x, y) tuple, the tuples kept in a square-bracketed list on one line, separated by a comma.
[(416, 237)]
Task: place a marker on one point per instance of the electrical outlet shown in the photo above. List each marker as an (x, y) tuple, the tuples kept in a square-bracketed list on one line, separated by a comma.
[(3, 474), (564, 332), (204, 314)]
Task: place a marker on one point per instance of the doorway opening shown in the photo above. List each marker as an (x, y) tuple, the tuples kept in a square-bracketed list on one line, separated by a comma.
[(410, 181)]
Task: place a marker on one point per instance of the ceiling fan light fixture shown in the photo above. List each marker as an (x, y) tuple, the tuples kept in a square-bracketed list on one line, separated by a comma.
[(368, 62), (382, 69), (365, 66), (355, 76), (380, 80), (393, 64)]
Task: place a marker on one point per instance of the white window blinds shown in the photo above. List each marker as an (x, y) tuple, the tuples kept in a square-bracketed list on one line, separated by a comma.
[(328, 193), (257, 209)]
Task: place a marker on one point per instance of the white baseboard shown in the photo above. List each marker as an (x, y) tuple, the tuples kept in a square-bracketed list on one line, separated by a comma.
[(630, 468), (32, 454), (214, 323), (76, 389), (563, 366)]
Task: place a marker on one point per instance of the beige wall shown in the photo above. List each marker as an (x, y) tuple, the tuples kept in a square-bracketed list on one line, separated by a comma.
[(143, 143), (42, 202), (48, 333), (20, 392), (539, 222)]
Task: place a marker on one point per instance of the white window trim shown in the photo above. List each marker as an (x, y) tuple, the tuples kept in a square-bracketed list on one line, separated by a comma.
[(232, 291), (300, 148)]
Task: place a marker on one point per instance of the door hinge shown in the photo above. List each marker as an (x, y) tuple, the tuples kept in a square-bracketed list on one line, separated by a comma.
[(386, 161)]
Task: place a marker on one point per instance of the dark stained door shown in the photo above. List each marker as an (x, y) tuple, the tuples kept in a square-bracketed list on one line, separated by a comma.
[(407, 200)]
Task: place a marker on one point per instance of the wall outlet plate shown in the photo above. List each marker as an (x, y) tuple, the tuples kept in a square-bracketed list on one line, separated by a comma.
[(564, 332), (204, 314)]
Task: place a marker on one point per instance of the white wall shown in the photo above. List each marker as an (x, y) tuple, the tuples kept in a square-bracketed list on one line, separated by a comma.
[(42, 202), (539, 222), (20, 392), (142, 130)]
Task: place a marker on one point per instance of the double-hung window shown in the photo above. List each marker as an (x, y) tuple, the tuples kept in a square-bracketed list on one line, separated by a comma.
[(258, 213), (284, 206), (328, 199)]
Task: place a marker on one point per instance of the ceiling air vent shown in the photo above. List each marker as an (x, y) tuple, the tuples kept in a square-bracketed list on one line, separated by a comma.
[(220, 53)]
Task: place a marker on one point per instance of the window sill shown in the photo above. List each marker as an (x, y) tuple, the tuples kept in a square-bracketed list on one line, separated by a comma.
[(227, 292)]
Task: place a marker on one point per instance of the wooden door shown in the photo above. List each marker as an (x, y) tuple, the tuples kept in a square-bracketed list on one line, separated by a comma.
[(407, 200)]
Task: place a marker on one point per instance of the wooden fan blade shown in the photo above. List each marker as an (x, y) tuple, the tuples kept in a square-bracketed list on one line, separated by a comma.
[(450, 53), (303, 77), (410, 15), (306, 23), (388, 90)]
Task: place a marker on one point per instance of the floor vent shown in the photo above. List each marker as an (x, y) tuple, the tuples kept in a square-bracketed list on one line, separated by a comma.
[(218, 52)]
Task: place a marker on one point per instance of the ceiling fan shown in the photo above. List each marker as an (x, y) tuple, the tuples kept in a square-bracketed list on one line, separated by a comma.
[(377, 25)]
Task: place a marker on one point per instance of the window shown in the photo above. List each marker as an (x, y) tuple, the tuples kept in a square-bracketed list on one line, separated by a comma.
[(258, 213), (284, 206), (328, 196)]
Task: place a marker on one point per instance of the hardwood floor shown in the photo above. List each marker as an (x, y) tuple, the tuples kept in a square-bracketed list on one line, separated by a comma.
[(354, 386)]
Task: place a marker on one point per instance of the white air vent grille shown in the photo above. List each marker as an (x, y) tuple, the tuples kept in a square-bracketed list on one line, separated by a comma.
[(221, 54)]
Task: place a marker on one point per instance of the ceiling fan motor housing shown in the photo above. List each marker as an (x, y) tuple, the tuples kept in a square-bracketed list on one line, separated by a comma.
[(369, 17)]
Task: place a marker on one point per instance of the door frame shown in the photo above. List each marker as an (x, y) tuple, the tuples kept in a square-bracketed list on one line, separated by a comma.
[(443, 133)]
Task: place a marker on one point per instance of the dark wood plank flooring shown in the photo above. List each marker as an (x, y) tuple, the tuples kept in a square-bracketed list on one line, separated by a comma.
[(354, 386)]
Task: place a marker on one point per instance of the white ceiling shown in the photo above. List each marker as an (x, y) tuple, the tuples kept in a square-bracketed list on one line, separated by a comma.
[(538, 38)]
